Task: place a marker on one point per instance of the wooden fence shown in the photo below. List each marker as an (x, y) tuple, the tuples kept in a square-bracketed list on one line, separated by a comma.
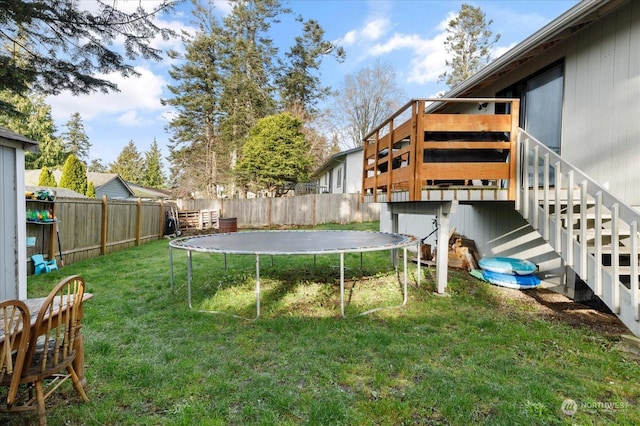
[(90, 228), (301, 210)]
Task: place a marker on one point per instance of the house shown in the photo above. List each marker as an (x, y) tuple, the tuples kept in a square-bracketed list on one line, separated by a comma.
[(110, 185), (13, 250), (563, 191), (144, 192), (341, 173)]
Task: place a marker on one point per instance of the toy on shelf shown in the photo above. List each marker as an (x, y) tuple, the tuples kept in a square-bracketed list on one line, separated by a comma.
[(40, 216), (41, 195)]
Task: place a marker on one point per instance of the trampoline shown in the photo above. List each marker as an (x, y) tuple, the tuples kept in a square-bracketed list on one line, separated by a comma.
[(307, 242)]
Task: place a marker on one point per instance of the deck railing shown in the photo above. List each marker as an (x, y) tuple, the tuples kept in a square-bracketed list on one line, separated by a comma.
[(463, 145)]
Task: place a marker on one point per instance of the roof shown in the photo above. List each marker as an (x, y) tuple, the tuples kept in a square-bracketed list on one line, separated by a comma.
[(582, 14), (12, 136), (60, 192), (145, 192), (99, 180), (334, 160)]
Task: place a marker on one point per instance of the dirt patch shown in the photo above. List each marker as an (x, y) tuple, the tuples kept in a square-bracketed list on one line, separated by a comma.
[(557, 307)]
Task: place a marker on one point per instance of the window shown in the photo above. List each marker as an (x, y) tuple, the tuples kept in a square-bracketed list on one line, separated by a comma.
[(339, 178), (541, 97)]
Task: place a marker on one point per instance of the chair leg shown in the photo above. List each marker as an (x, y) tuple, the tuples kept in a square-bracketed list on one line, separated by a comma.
[(76, 383), (42, 416)]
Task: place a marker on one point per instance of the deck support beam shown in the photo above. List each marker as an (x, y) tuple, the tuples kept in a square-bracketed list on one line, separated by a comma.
[(442, 253)]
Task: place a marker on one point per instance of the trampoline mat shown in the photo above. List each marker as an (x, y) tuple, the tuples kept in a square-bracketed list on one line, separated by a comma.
[(293, 242)]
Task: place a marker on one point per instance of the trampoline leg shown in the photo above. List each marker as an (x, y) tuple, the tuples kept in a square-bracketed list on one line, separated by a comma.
[(171, 267), (404, 301), (342, 284), (189, 276), (225, 261), (257, 286)]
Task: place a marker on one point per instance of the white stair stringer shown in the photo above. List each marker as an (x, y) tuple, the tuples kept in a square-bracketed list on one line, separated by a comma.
[(592, 230)]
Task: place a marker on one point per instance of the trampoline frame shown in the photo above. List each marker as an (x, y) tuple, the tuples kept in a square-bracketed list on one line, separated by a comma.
[(396, 241)]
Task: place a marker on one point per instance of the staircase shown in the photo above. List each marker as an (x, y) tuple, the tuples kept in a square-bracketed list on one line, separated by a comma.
[(594, 232)]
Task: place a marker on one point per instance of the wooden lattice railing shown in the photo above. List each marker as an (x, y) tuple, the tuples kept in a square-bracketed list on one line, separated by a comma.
[(462, 145)]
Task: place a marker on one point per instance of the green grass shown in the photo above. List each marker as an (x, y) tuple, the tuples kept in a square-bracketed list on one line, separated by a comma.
[(471, 358)]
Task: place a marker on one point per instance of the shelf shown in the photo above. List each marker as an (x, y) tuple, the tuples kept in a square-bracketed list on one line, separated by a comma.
[(42, 222)]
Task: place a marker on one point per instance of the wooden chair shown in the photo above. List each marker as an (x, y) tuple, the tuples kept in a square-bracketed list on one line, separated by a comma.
[(15, 327), (51, 352)]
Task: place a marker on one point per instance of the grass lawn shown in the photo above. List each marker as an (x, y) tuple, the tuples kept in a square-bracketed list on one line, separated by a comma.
[(476, 357)]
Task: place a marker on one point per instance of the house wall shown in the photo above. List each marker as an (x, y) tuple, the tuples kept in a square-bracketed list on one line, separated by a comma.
[(601, 126), (13, 273), (600, 134), (112, 189)]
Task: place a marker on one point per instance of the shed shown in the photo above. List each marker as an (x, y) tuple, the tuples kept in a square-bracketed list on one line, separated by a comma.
[(13, 269), (341, 173)]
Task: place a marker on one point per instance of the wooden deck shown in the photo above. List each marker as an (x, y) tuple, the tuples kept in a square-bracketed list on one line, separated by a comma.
[(462, 150)]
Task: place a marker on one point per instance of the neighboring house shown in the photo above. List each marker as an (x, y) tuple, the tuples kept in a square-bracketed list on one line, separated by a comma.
[(578, 82), (110, 185), (13, 229), (146, 193), (340, 174)]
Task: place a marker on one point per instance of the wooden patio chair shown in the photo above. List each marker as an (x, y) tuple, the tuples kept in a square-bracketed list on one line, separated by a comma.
[(51, 352), (15, 327)]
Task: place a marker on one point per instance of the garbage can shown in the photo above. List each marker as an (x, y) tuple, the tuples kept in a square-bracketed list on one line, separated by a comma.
[(227, 224)]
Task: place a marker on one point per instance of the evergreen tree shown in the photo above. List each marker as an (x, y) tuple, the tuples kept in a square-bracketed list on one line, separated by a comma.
[(299, 84), (153, 174), (196, 148), (70, 48), (129, 164), (91, 190), (469, 42), (96, 166), (32, 119), (75, 139), (275, 155), (46, 178), (74, 175)]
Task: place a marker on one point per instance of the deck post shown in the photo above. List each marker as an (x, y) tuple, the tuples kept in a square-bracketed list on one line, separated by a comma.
[(442, 253)]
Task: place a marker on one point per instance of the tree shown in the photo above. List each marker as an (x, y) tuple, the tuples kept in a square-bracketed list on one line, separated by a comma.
[(75, 139), (32, 119), (96, 166), (46, 178), (299, 85), (74, 175), (153, 174), (68, 48), (91, 190), (275, 155), (469, 42), (129, 164), (365, 99), (196, 148)]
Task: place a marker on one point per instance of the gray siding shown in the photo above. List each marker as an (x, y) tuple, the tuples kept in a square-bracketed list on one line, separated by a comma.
[(601, 129), (113, 189)]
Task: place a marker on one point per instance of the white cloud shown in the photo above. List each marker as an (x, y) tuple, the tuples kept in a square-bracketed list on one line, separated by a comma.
[(137, 94), (371, 31)]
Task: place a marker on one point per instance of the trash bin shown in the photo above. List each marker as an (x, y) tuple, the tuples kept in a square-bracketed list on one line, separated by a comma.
[(227, 224)]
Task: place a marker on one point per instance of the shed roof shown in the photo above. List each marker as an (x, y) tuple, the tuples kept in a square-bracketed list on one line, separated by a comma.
[(12, 136), (335, 159)]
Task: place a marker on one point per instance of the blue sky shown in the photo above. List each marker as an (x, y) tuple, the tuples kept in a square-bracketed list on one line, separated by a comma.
[(409, 34)]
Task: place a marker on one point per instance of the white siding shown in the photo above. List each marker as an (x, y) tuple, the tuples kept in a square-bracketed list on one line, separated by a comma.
[(13, 268)]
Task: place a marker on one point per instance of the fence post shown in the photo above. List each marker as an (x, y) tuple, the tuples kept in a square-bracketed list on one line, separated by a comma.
[(161, 232), (103, 232), (138, 220)]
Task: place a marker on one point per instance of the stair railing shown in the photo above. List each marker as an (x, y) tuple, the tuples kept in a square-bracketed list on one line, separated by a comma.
[(570, 210)]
